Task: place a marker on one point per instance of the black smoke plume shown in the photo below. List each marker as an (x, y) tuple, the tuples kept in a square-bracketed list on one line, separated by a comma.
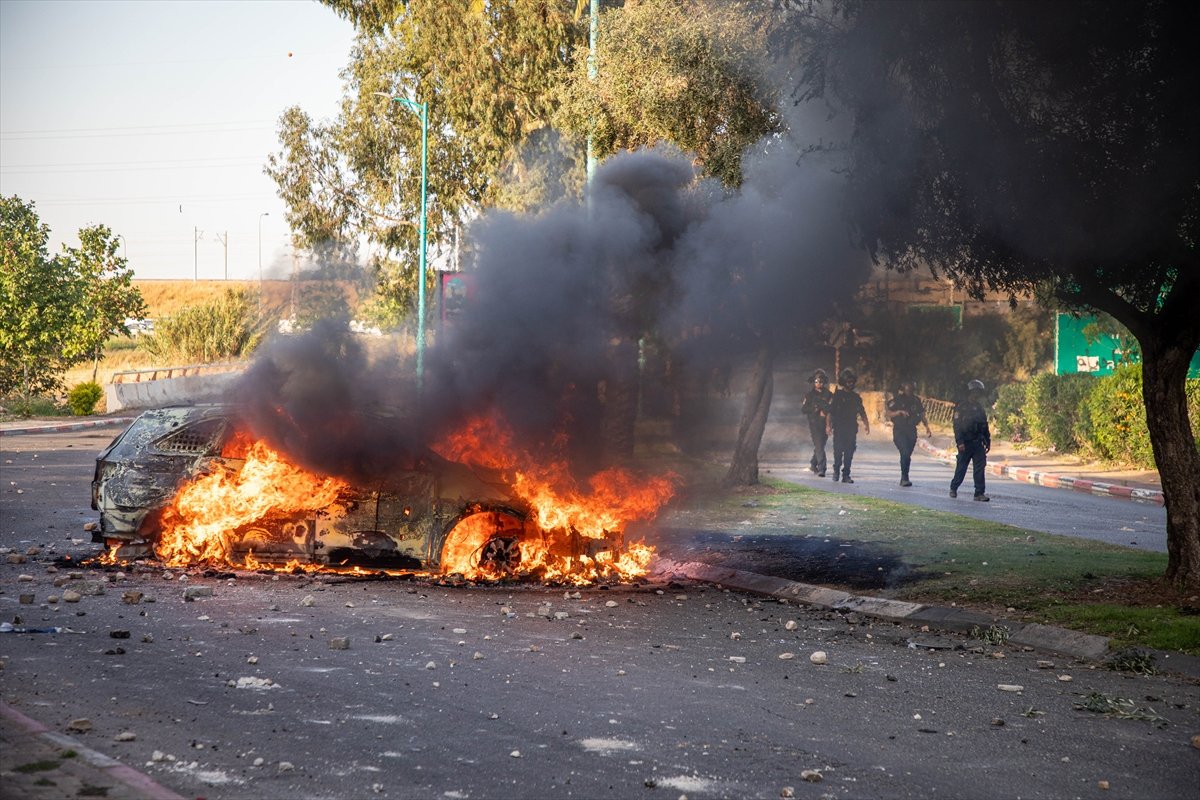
[(652, 250)]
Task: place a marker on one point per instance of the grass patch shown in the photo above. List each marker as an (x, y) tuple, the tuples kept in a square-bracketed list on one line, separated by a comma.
[(38, 766), (946, 558)]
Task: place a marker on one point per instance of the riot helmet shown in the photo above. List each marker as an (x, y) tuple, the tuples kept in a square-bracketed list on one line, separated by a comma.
[(975, 385), (847, 377), (819, 375)]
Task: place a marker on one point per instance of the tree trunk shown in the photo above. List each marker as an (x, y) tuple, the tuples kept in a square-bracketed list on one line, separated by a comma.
[(743, 470), (1164, 375), (619, 419)]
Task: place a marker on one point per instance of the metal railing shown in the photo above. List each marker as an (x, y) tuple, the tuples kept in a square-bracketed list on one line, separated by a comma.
[(161, 373), (940, 412)]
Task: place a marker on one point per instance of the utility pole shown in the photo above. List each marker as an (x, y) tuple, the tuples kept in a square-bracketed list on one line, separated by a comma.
[(196, 234), (225, 241)]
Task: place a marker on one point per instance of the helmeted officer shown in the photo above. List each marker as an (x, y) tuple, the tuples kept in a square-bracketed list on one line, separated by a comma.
[(906, 411), (973, 438), (815, 406), (845, 409)]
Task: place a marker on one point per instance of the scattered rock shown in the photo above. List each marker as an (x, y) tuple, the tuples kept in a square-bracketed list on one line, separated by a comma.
[(23, 578), (1010, 687), (791, 625), (738, 659), (286, 766), (307, 602), (735, 636), (515, 754), (81, 725), (431, 665), (611, 604), (147, 638), (131, 598), (190, 593), (119, 634), (125, 736), (819, 657), (16, 558), (71, 596), (786, 656), (26, 599), (812, 775), (1103, 785), (339, 643), (252, 660), (478, 656), (787, 791), (1045, 664), (1065, 678), (1196, 741), (576, 635)]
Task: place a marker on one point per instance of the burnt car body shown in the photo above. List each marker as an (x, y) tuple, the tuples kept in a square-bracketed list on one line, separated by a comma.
[(399, 520)]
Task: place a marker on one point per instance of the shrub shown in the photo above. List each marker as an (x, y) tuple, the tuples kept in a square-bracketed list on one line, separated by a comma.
[(1008, 413), (229, 327), (1116, 415), (83, 398), (1054, 407)]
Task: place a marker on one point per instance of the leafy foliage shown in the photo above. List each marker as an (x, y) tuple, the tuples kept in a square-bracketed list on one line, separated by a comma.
[(1116, 417), (1008, 412), (997, 348), (320, 301), (229, 327), (56, 311), (1055, 408), (83, 397), (688, 73)]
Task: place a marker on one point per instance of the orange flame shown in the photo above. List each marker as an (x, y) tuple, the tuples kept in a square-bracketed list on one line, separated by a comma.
[(197, 526), (574, 533)]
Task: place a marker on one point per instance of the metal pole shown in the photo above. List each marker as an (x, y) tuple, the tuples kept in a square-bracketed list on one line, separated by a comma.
[(195, 254), (593, 73), (421, 267), (260, 216), (422, 110)]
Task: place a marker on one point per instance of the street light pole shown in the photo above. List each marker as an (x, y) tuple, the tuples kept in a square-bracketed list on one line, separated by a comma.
[(422, 110), (260, 216)]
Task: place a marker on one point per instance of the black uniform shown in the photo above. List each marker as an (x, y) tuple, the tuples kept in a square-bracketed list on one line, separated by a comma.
[(815, 406), (974, 439), (844, 410), (904, 428)]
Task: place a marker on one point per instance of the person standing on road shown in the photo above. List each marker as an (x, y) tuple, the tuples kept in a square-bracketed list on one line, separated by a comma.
[(815, 406), (974, 440), (845, 408), (906, 411)]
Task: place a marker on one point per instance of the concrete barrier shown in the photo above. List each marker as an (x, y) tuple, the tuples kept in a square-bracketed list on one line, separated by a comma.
[(141, 389)]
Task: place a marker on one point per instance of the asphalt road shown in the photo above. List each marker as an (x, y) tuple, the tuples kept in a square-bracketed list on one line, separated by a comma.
[(876, 473), (641, 691)]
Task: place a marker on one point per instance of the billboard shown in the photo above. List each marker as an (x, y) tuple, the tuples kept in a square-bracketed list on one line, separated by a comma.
[(1073, 353), (456, 294)]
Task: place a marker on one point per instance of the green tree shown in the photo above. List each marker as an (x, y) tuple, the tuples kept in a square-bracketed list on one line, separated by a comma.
[(686, 72), (38, 297), (485, 70), (108, 294), (1016, 145)]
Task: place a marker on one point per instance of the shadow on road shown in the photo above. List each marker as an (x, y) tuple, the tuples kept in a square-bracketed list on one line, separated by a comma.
[(845, 563)]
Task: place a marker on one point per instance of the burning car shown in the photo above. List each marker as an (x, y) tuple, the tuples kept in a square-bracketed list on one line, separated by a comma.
[(193, 486)]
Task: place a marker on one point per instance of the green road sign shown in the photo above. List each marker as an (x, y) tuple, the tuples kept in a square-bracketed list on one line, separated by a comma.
[(1074, 353)]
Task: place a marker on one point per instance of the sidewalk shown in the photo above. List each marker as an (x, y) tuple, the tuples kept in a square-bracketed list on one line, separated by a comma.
[(37, 763), (1015, 462), (21, 427)]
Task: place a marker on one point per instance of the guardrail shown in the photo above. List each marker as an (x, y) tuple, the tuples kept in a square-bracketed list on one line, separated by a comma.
[(939, 411), (162, 373)]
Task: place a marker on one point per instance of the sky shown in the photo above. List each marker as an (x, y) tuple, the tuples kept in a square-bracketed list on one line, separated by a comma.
[(156, 117)]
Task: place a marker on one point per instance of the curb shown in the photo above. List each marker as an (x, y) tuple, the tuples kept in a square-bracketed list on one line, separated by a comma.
[(114, 769), (1053, 481), (66, 427), (1084, 646)]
